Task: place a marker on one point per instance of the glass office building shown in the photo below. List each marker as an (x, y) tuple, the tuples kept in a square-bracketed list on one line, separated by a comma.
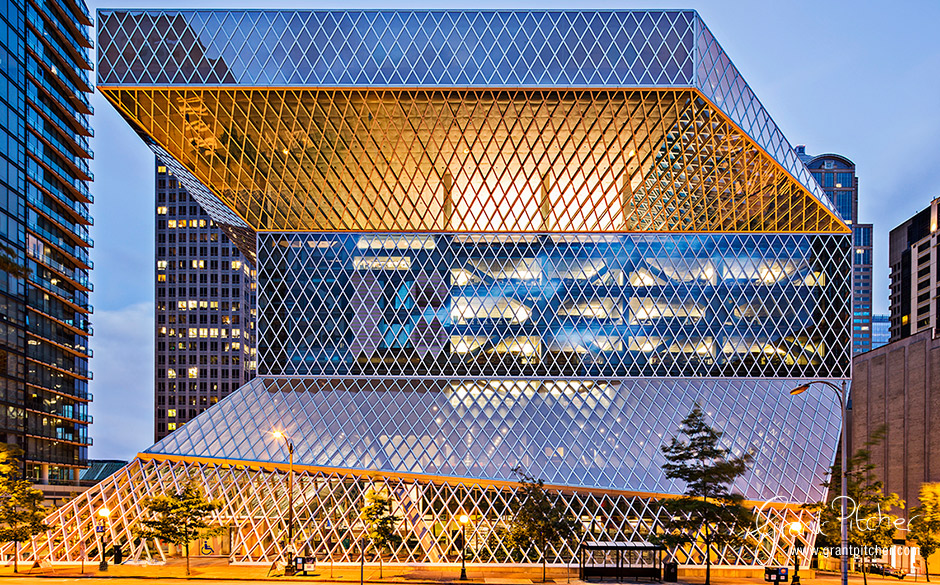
[(836, 174), (203, 313), (45, 86), (486, 240)]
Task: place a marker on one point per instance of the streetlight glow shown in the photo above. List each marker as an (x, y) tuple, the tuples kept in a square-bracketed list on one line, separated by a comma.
[(464, 520), (104, 512), (796, 527), (799, 390)]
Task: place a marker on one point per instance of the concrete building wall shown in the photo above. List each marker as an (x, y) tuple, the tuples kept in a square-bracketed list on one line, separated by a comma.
[(898, 386)]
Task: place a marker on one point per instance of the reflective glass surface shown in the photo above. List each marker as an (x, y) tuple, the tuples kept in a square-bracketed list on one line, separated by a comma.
[(396, 48), (558, 306), (406, 49), (593, 435)]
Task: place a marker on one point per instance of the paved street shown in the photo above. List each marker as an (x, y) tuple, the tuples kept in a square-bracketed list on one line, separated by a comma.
[(220, 572)]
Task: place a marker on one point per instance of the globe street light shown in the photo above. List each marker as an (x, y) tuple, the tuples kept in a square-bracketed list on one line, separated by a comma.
[(104, 513), (464, 520), (289, 568), (844, 553), (796, 528)]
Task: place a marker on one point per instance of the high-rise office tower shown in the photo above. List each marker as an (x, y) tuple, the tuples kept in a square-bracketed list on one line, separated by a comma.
[(486, 240), (915, 282), (45, 198), (836, 174), (204, 305), (880, 330)]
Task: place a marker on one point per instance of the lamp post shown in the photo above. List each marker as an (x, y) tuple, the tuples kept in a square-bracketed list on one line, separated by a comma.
[(105, 514), (289, 567), (796, 528), (843, 521), (464, 520)]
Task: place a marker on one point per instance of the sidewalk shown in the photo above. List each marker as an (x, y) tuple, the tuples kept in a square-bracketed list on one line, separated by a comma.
[(219, 569)]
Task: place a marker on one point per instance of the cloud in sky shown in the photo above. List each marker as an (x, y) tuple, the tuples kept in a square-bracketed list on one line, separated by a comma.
[(123, 384)]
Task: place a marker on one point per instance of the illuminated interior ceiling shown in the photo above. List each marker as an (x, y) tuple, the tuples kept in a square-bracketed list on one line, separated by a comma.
[(458, 121), (475, 160)]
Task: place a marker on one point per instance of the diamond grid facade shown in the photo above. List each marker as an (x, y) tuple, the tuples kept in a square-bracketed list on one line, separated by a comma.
[(449, 160), (485, 240), (590, 435), (586, 307), (360, 120), (327, 508), (505, 49)]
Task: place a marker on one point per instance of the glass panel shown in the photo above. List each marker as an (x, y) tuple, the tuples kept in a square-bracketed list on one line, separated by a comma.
[(591, 307)]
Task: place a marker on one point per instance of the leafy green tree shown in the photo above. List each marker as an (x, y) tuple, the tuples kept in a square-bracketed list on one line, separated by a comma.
[(540, 518), (924, 526), (380, 522), (180, 518), (870, 522), (708, 512), (22, 514)]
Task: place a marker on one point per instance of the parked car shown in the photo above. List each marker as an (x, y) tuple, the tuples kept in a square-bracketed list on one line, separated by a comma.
[(881, 568)]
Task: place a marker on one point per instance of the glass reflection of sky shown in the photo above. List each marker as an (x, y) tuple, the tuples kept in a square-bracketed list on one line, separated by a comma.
[(559, 306)]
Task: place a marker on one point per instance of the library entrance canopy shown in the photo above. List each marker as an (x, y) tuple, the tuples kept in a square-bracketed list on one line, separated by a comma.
[(454, 121)]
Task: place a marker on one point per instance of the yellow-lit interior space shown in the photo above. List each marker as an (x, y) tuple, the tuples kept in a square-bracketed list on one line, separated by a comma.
[(475, 160)]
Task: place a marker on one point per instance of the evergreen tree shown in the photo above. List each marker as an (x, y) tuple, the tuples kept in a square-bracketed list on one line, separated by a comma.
[(180, 518), (540, 518), (22, 514), (871, 525), (708, 512), (924, 526), (380, 522)]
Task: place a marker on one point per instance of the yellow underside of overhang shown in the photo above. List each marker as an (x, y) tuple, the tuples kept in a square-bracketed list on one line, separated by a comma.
[(467, 160)]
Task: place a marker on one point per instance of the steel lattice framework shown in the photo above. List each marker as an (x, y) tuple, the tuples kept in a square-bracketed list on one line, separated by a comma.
[(327, 507), (484, 240), (435, 121), (451, 160), (585, 307)]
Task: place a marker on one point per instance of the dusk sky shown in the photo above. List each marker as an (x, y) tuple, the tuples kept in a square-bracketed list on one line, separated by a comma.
[(861, 79)]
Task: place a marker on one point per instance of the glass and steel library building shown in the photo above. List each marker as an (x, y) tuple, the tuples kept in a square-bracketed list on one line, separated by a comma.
[(484, 240)]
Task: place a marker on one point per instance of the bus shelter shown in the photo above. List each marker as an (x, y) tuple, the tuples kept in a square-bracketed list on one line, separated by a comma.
[(621, 560)]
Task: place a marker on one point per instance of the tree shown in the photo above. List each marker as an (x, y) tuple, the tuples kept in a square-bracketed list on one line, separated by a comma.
[(22, 514), (924, 526), (380, 522), (871, 526), (708, 511), (539, 518), (180, 518)]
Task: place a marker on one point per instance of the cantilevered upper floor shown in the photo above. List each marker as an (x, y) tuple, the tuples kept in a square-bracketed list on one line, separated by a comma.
[(457, 121)]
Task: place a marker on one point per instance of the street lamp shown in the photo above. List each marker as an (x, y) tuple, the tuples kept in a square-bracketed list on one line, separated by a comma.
[(796, 528), (840, 391), (464, 520), (103, 513), (289, 568)]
